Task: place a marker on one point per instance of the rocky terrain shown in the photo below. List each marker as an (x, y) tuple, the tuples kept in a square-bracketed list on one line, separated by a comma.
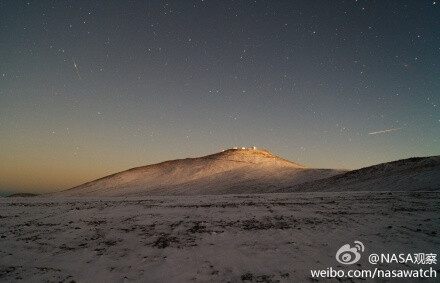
[(226, 238)]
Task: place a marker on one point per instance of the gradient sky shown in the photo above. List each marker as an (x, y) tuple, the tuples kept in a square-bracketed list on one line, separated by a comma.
[(89, 88)]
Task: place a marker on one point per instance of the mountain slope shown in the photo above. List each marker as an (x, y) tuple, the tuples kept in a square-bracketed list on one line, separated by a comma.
[(413, 174), (231, 171)]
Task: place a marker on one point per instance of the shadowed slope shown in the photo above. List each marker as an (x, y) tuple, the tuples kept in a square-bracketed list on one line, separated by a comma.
[(413, 174)]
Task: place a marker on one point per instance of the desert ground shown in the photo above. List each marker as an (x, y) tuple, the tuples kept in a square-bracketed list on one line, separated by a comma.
[(226, 238)]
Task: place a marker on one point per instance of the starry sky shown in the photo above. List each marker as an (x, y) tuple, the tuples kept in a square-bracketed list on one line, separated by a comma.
[(89, 88)]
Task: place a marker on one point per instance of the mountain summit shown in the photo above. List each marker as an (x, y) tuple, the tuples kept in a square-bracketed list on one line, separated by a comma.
[(232, 171), (252, 155)]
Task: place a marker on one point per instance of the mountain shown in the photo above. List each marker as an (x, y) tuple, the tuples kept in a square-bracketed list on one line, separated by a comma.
[(413, 174), (232, 171)]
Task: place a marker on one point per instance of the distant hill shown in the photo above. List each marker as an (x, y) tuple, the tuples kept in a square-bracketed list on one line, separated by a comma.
[(413, 174), (234, 171), (22, 195)]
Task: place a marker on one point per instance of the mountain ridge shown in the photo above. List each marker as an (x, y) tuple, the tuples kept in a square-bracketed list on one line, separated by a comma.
[(246, 170), (410, 174)]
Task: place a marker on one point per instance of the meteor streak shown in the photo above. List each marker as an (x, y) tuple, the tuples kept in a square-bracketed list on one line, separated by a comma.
[(384, 131), (76, 68)]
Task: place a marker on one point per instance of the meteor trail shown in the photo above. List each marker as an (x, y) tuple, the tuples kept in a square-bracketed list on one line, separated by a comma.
[(76, 68), (384, 131)]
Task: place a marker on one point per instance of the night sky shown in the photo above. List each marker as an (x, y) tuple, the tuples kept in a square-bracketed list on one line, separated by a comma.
[(89, 88)]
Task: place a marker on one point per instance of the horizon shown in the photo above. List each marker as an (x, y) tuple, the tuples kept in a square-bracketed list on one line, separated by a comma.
[(5, 193), (90, 89)]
